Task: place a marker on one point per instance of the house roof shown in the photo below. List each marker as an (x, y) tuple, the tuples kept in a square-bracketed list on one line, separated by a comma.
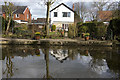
[(105, 15), (39, 20), (64, 5), (18, 9)]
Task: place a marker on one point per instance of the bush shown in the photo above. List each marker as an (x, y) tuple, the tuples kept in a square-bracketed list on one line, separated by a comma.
[(72, 31), (83, 29), (96, 29), (53, 27), (115, 27), (37, 33)]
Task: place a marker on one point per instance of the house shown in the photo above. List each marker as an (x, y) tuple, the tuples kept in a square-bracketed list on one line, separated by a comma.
[(62, 16), (105, 16), (0, 10), (21, 14), (40, 22)]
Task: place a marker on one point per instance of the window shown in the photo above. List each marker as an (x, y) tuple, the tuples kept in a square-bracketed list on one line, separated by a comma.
[(27, 16), (66, 14), (17, 15), (55, 14)]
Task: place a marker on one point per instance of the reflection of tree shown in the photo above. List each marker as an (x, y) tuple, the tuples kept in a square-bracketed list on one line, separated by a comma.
[(72, 53), (98, 62), (9, 67), (114, 63), (46, 53)]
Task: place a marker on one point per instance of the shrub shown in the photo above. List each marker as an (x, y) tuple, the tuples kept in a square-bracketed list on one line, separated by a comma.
[(83, 29), (87, 34), (115, 27), (37, 33), (72, 31), (53, 27)]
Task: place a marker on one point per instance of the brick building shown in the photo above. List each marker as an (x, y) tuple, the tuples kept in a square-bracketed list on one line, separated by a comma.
[(21, 14)]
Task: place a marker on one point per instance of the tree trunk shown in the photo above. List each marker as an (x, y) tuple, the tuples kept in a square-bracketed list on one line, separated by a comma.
[(47, 19), (8, 25)]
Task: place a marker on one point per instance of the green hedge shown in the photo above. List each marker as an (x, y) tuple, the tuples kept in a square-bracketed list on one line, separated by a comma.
[(96, 29), (115, 27)]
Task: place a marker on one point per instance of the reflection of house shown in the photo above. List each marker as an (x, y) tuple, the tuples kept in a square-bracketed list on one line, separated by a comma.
[(104, 16), (59, 54), (21, 14), (62, 16)]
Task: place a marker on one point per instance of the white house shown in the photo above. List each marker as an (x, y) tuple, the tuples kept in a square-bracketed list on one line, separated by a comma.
[(62, 16)]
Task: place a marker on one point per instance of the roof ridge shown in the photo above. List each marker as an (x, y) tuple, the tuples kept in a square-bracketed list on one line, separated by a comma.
[(60, 5)]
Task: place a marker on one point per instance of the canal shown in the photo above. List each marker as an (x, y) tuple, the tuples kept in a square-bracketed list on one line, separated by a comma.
[(60, 62)]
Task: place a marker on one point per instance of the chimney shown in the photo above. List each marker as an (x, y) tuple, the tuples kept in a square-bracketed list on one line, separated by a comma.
[(73, 7)]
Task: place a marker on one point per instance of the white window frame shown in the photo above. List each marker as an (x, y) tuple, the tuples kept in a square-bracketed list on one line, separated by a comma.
[(17, 16), (27, 16), (54, 14), (68, 14)]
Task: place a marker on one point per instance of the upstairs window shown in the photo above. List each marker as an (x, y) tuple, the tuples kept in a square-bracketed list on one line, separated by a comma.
[(55, 14), (66, 14), (27, 16), (17, 15)]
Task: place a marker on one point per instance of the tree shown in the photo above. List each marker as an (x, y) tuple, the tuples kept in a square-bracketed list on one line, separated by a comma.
[(81, 10), (102, 5), (9, 9), (48, 3)]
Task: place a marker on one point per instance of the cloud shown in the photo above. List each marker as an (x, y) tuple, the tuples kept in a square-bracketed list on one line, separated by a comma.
[(37, 7)]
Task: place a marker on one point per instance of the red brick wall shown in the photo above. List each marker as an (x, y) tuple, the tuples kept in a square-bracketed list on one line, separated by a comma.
[(3, 15), (23, 16)]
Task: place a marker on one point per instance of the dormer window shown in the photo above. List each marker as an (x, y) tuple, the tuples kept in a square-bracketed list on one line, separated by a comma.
[(55, 14), (17, 15)]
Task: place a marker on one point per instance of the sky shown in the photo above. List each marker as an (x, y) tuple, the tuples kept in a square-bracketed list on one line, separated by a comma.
[(37, 7)]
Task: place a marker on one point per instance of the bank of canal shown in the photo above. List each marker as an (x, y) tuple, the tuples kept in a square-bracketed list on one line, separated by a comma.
[(56, 42)]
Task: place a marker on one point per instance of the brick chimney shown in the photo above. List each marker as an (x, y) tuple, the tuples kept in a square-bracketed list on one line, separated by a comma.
[(73, 7)]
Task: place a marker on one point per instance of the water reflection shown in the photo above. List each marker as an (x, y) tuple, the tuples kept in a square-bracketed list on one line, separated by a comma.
[(104, 62)]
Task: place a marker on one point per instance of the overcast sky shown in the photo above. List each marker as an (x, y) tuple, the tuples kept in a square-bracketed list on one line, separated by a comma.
[(37, 7)]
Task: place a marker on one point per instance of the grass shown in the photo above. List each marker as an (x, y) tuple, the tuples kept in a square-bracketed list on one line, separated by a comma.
[(55, 33)]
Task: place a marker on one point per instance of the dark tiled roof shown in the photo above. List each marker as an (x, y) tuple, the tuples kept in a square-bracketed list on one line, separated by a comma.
[(105, 15), (60, 5), (18, 9)]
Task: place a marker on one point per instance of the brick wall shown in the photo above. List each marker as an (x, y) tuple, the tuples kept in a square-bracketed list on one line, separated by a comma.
[(22, 16)]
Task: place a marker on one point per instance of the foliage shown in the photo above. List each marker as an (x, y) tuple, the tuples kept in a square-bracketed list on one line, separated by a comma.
[(37, 33), (4, 24), (115, 26), (8, 13), (96, 29), (87, 34), (101, 31), (71, 31), (83, 29), (53, 27)]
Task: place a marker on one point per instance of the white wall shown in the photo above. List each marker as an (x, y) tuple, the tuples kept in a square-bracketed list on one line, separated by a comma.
[(59, 17)]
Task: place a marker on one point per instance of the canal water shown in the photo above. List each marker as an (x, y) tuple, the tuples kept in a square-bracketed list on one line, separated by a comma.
[(60, 62)]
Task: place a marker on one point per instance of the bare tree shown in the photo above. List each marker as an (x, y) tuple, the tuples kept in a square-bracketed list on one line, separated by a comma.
[(9, 9), (48, 3), (102, 5), (81, 9)]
